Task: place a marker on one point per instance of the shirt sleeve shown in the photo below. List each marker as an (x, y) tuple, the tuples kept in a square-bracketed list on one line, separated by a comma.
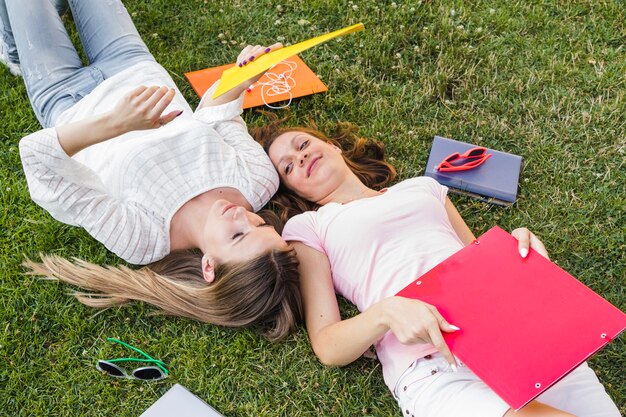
[(302, 228), (256, 170), (74, 194), (433, 187), (226, 111), (227, 121)]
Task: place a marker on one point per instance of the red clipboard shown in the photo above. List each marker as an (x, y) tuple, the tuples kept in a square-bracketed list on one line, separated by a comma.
[(525, 323), (302, 81)]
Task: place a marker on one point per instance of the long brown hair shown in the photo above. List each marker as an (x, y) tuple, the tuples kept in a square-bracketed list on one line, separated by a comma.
[(262, 292), (365, 157)]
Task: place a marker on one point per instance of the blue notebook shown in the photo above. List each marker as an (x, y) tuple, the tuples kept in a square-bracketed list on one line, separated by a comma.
[(494, 181)]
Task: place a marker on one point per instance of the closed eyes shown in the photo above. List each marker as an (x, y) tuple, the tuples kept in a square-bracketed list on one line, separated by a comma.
[(241, 234)]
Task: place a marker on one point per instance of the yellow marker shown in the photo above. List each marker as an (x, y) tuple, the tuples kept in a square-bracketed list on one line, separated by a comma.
[(234, 76)]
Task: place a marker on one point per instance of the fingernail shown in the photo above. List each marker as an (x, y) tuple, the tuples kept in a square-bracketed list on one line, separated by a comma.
[(240, 64), (251, 58), (244, 62), (454, 368), (453, 327), (267, 50), (523, 252), (179, 113), (248, 89)]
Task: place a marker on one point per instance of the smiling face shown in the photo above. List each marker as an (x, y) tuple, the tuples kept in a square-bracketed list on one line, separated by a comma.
[(234, 234), (310, 167)]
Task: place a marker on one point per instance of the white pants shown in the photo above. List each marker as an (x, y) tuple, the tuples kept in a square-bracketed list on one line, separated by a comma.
[(429, 388)]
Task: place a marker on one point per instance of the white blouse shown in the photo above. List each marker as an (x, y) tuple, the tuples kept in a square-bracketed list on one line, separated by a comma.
[(124, 191)]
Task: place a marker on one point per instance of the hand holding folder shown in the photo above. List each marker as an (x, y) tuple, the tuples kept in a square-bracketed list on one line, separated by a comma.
[(525, 323), (304, 82), (234, 76)]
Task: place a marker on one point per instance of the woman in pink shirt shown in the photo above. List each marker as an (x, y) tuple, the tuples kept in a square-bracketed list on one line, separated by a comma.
[(364, 242)]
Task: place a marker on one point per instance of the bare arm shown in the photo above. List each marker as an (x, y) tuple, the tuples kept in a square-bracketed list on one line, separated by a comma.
[(75, 137), (334, 341), (460, 227), (140, 109), (525, 237), (339, 342)]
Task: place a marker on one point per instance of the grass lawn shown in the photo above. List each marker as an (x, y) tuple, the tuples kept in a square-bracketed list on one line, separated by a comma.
[(545, 80)]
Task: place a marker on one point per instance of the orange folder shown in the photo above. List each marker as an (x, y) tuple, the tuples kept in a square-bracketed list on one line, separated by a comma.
[(299, 78), (525, 323)]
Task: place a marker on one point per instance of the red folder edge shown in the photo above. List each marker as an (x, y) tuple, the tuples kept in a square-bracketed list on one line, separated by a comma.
[(525, 322)]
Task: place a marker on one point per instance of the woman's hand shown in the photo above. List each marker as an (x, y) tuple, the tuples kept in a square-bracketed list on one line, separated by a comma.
[(413, 322), (246, 56), (142, 109), (528, 240), (249, 54)]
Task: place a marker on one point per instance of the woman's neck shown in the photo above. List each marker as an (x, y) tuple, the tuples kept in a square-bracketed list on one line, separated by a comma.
[(349, 191), (188, 223)]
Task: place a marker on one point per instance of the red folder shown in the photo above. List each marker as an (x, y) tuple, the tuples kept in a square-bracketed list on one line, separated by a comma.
[(525, 323)]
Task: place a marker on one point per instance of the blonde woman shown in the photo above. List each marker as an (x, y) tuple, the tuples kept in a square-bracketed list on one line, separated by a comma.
[(122, 155), (366, 242)]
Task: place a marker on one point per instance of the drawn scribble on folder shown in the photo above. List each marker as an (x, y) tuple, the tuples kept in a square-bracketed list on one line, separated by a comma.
[(297, 80)]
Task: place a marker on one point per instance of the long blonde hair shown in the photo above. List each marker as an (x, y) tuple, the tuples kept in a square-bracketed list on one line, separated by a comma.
[(263, 292)]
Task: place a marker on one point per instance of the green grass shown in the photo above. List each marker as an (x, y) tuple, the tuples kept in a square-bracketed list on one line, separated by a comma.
[(545, 80)]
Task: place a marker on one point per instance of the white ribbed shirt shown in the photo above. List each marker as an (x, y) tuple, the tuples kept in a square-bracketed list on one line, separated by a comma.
[(124, 191)]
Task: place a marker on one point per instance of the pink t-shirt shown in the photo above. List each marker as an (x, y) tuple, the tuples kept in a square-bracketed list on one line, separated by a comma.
[(376, 246)]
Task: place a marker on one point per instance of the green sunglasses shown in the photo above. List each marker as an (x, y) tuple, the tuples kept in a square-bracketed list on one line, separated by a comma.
[(147, 373)]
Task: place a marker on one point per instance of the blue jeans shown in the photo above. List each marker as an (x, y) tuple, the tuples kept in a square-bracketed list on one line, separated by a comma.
[(6, 35), (54, 74)]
